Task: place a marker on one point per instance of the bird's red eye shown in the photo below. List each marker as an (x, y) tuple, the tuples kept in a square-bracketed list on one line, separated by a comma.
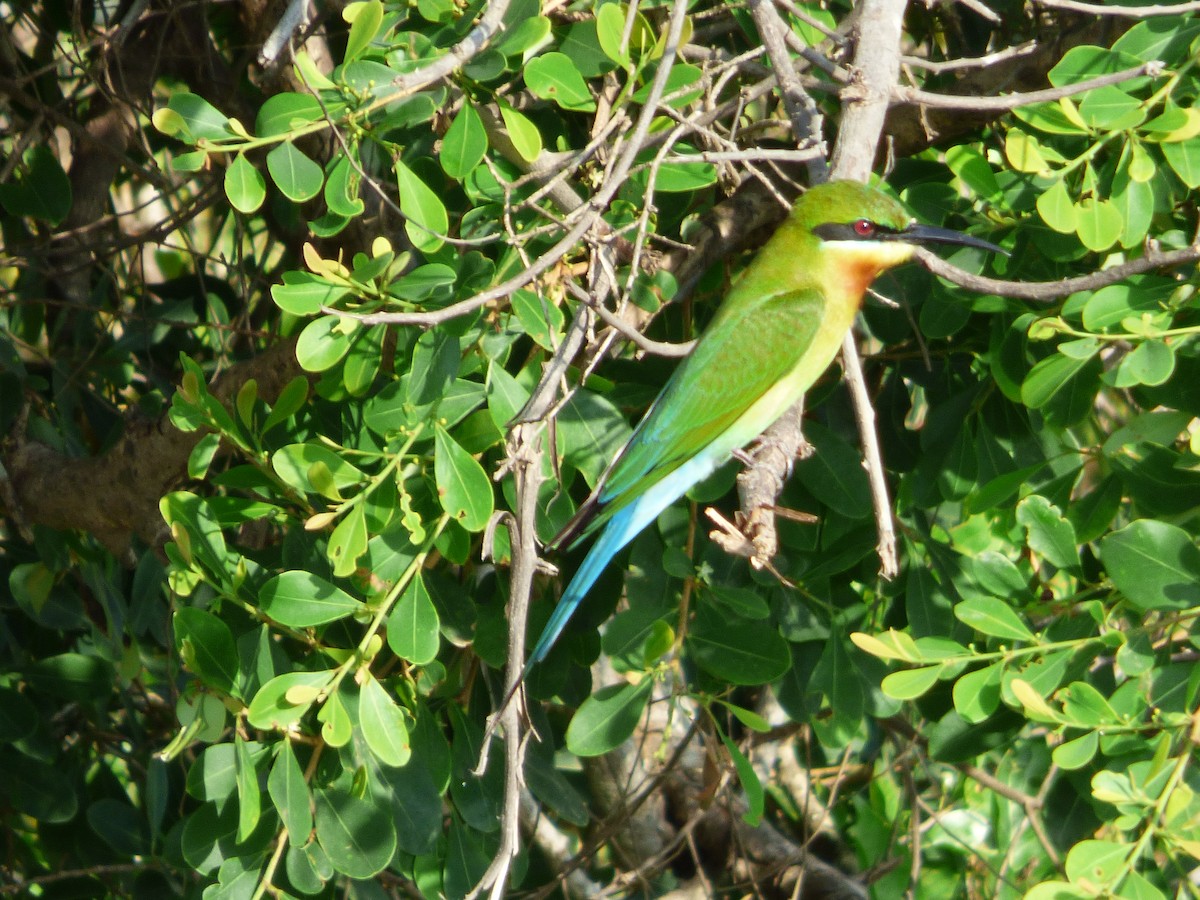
[(864, 228)]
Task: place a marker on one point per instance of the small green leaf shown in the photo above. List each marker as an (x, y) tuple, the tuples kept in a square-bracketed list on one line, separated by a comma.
[(1098, 223), (206, 646), (384, 724), (365, 18), (284, 112), (910, 684), (463, 487), (1077, 753), (1057, 209), (977, 694), (413, 626), (607, 718), (526, 139), (341, 187), (554, 76), (249, 796), (283, 701), (1184, 158), (322, 344), (988, 615), (297, 177), (357, 835), (1048, 533), (302, 294), (289, 793), (465, 143), (1150, 362), (200, 119), (1048, 377), (541, 319), (348, 542), (751, 785), (244, 185), (302, 600), (426, 214), (1154, 564)]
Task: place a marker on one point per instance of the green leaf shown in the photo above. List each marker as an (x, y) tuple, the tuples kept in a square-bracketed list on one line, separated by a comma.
[(198, 118), (72, 676), (977, 694), (463, 487), (910, 684), (1057, 209), (610, 26), (1134, 201), (834, 473), (413, 626), (1047, 532), (751, 785), (322, 344), (607, 718), (426, 214), (358, 837), (383, 723), (971, 167), (1097, 864), (526, 139), (283, 701), (342, 187), (1184, 158), (1156, 565), (289, 793), (1109, 108), (553, 76), (336, 727), (244, 185), (206, 646), (297, 463), (738, 651), (42, 191), (541, 319), (285, 112), (1150, 362), (988, 615), (302, 294), (348, 542), (365, 18), (303, 600), (1098, 223), (1077, 753), (297, 177), (465, 143), (18, 716), (1047, 378), (249, 796)]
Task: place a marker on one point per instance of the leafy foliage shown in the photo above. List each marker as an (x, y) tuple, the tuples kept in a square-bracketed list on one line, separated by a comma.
[(285, 687)]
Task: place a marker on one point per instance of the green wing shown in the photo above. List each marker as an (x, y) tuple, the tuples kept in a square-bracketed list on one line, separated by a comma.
[(742, 356)]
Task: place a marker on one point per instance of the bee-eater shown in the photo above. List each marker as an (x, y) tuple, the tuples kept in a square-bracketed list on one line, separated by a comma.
[(779, 328)]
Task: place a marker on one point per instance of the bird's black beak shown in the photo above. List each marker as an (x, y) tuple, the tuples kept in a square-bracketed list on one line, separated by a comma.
[(917, 233)]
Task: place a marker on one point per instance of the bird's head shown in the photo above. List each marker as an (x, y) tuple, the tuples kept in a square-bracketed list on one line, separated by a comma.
[(862, 231)]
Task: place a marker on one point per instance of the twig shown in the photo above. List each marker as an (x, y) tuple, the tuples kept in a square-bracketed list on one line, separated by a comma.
[(291, 19), (1054, 290), (864, 413), (627, 331), (981, 10), (902, 94), (807, 121), (1127, 12), (978, 62), (527, 474)]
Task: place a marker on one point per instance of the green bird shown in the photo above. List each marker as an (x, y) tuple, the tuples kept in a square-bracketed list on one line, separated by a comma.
[(777, 331)]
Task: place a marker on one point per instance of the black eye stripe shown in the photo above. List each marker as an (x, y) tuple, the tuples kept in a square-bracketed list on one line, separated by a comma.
[(845, 231)]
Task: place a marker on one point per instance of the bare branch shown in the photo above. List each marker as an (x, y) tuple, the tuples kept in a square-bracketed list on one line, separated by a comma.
[(1054, 290), (903, 94), (1127, 12)]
